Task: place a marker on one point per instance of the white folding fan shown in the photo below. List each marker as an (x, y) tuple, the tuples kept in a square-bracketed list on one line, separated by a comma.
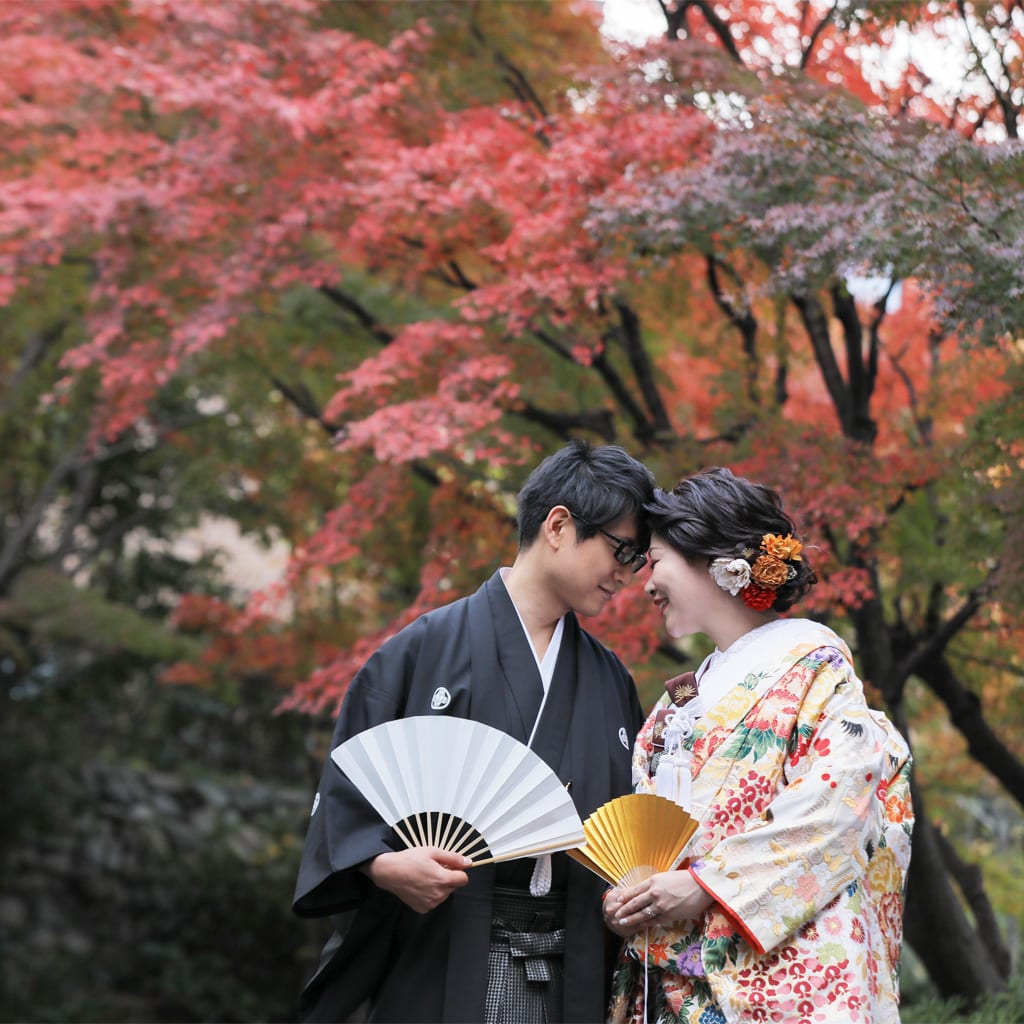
[(461, 786), (633, 837)]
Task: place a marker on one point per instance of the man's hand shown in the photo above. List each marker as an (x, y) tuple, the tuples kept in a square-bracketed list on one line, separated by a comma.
[(422, 877)]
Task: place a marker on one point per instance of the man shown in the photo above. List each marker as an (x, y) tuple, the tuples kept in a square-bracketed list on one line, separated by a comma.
[(418, 937)]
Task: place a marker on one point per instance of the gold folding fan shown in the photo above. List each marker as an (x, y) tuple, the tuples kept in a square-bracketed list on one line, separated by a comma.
[(633, 837)]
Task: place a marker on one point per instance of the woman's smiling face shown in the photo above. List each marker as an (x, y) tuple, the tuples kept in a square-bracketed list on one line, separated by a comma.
[(680, 589)]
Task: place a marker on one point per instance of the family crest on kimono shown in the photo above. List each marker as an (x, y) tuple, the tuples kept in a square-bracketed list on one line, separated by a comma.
[(417, 936), (788, 904)]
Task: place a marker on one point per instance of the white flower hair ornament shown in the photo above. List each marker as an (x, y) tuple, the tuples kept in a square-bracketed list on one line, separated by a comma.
[(760, 572), (731, 574)]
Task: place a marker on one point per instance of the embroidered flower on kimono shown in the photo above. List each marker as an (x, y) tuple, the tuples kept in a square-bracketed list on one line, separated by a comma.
[(718, 926), (890, 913), (731, 574), (833, 925), (683, 692), (756, 790), (689, 961), (673, 999), (898, 808), (884, 873), (807, 887), (657, 950), (833, 957), (712, 1015), (773, 714)]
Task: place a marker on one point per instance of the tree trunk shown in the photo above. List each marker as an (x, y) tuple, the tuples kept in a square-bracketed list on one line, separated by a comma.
[(956, 957), (972, 885), (936, 925)]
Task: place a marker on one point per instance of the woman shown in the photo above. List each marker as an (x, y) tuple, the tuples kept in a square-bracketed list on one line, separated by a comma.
[(788, 906)]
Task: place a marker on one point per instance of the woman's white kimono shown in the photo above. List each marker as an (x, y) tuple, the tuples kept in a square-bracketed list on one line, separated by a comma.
[(803, 796)]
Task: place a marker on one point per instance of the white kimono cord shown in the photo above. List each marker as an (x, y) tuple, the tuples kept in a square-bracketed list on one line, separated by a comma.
[(540, 880)]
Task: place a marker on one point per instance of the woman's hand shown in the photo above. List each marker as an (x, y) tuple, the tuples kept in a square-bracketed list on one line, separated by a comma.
[(612, 909), (662, 899)]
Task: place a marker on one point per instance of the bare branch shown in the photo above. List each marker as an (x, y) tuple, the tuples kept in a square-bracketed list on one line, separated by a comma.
[(966, 716), (514, 78), (359, 311), (34, 352), (816, 325), (939, 638), (630, 337), (742, 319), (16, 539), (566, 425), (816, 33), (860, 374), (717, 25)]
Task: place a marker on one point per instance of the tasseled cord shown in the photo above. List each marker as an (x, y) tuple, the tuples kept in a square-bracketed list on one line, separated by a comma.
[(540, 880), (672, 776), (647, 933)]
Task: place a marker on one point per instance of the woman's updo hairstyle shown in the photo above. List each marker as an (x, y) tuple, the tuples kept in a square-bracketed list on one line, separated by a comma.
[(715, 514)]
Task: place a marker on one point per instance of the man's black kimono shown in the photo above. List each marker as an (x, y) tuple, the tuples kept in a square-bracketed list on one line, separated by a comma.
[(471, 659)]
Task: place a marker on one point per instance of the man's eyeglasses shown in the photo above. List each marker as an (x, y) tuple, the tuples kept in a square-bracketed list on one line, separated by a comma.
[(625, 550)]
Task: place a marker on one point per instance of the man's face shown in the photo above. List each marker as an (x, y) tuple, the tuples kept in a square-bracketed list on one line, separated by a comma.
[(590, 574)]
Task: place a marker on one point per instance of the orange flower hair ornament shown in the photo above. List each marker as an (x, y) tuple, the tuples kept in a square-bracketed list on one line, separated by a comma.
[(759, 572)]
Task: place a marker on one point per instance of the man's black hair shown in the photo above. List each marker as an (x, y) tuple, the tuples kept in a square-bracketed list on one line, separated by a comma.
[(599, 484)]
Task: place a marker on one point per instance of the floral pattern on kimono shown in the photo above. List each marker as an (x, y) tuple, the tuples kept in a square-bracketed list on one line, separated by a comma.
[(803, 794)]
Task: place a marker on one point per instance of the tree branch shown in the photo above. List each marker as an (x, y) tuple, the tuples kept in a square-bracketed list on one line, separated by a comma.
[(860, 376), (33, 354), (303, 402), (379, 332), (630, 337), (642, 426), (16, 539), (939, 638), (678, 17), (301, 399), (816, 33), (514, 79), (1003, 98), (85, 491), (813, 317), (566, 424), (965, 714), (742, 319)]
